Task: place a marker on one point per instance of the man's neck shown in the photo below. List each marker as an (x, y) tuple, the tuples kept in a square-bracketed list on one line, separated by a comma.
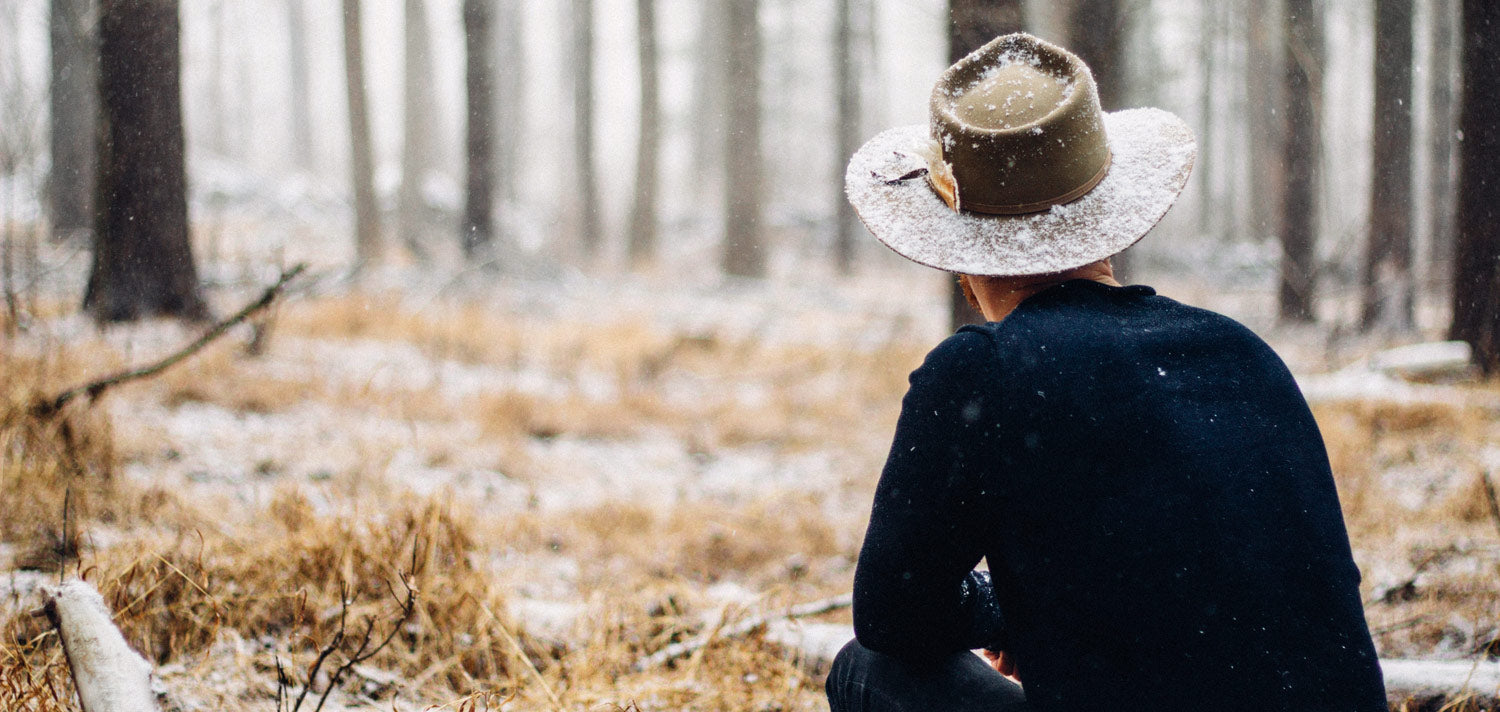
[(999, 296)]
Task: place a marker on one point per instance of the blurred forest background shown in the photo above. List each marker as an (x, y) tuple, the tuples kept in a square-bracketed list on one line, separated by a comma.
[(573, 333)]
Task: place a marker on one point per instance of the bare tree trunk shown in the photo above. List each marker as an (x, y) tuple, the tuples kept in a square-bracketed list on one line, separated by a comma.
[(301, 99), (74, 112), (417, 126), (1210, 211), (1442, 174), (744, 248), (710, 94), (643, 214), (1097, 31), (218, 123), (509, 109), (971, 25), (417, 129), (1266, 98), (586, 194), (143, 260), (361, 152), (1303, 31), (1476, 263), (847, 227), (479, 223), (1388, 285)]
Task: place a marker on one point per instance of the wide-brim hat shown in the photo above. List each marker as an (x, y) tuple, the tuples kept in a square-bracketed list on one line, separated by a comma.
[(1019, 171)]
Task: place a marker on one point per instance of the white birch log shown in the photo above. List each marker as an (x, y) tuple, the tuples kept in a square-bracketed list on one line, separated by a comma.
[(109, 675)]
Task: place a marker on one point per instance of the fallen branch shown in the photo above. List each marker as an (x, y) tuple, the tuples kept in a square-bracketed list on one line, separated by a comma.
[(1489, 495), (110, 677), (93, 389), (741, 629)]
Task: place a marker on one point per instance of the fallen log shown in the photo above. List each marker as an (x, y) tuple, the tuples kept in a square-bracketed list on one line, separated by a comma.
[(1424, 684), (109, 675)]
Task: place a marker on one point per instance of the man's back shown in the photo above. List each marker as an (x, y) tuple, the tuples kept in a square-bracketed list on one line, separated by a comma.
[(1155, 504)]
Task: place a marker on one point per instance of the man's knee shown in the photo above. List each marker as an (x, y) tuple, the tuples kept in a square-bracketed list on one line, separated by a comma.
[(846, 664)]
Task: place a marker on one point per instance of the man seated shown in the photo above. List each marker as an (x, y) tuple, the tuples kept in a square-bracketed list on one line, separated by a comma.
[(1143, 478)]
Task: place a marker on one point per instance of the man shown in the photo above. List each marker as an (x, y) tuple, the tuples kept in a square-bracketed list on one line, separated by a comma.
[(1144, 479)]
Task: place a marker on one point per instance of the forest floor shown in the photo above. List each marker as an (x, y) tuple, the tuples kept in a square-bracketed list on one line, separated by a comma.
[(572, 474)]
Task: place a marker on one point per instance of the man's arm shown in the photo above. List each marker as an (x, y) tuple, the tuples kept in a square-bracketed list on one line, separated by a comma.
[(915, 590)]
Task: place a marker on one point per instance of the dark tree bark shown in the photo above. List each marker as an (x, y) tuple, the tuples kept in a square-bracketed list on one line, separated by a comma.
[(971, 25), (417, 139), (1476, 263), (1266, 99), (361, 152), (479, 225), (1096, 33), (586, 193), (1303, 32), (143, 260), (1388, 286), (847, 227), (1442, 173), (744, 251), (301, 99), (648, 148), (75, 111)]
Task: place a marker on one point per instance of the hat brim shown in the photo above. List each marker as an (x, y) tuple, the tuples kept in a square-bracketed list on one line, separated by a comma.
[(1152, 155)]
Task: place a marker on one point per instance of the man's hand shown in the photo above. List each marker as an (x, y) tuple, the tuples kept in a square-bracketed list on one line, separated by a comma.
[(1003, 663)]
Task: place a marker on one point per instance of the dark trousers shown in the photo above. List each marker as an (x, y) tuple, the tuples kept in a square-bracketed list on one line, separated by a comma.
[(863, 680)]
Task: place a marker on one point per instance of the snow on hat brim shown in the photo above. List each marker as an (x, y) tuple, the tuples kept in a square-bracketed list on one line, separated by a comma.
[(1153, 154)]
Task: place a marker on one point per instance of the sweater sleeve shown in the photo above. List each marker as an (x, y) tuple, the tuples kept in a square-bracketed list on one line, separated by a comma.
[(916, 593)]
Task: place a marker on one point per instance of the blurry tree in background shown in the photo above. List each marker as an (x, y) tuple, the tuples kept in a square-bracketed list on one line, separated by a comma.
[(301, 93), (361, 153), (142, 260), (1476, 260), (1264, 92), (643, 211), (74, 111), (418, 128), (1096, 33), (509, 108), (849, 128), (1389, 290), (710, 95), (1303, 35), (586, 190), (478, 224), (971, 25), (1442, 169), (744, 251)]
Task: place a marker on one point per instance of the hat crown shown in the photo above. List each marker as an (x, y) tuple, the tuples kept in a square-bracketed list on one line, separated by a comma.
[(1019, 126)]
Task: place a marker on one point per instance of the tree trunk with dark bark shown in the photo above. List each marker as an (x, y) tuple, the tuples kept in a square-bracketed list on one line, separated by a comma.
[(586, 186), (143, 259), (1303, 32), (74, 112), (971, 25), (744, 251), (1389, 290), (648, 148), (1476, 259), (479, 223), (417, 139), (361, 152)]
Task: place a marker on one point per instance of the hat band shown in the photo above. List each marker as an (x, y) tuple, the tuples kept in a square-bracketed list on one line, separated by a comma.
[(1023, 208)]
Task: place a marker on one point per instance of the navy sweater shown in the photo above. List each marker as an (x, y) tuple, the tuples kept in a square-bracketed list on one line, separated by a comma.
[(1155, 504)]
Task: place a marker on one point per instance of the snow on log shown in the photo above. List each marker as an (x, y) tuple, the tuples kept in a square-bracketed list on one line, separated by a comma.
[(1441, 678), (109, 675), (1428, 360)]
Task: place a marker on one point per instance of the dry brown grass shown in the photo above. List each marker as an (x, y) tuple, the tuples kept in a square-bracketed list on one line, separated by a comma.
[(216, 586)]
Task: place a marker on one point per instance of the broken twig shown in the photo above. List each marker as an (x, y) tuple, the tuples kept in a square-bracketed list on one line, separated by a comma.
[(94, 389), (741, 629)]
